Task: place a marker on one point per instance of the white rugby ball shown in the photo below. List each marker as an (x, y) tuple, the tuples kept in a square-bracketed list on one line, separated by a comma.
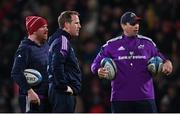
[(110, 65), (155, 65), (33, 76)]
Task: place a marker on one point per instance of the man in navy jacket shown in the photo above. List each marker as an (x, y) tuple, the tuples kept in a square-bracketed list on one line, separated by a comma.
[(32, 53), (64, 71)]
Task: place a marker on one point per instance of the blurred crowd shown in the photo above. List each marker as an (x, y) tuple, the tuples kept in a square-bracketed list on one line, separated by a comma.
[(100, 22)]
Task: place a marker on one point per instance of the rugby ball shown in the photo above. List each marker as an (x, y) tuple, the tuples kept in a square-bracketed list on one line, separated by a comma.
[(33, 76), (110, 65), (155, 65)]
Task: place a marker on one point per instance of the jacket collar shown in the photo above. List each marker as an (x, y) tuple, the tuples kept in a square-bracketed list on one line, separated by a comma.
[(66, 34)]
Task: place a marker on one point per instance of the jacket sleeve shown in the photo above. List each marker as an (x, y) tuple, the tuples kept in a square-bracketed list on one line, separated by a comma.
[(102, 54), (20, 63), (156, 52), (59, 54)]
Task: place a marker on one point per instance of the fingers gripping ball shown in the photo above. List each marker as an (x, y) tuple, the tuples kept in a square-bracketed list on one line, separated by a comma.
[(110, 65), (33, 76), (155, 65)]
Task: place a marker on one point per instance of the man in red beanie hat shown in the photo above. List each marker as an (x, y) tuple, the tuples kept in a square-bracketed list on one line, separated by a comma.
[(32, 53), (33, 23)]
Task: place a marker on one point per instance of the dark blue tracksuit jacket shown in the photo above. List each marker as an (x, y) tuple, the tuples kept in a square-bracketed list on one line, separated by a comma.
[(64, 68), (30, 55)]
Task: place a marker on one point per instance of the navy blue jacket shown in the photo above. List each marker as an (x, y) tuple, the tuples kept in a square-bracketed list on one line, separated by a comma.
[(30, 55), (64, 68)]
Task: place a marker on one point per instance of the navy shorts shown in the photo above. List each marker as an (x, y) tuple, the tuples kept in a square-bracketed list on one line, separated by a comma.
[(144, 106)]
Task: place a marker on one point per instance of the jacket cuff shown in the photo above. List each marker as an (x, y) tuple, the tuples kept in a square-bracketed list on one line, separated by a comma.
[(74, 90)]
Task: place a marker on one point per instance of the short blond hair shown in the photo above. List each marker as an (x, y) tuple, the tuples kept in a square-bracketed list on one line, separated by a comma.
[(65, 16)]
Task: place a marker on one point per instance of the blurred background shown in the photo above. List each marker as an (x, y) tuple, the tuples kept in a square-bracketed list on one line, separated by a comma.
[(100, 22)]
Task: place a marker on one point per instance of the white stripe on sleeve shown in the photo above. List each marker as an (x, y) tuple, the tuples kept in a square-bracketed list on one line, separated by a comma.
[(64, 43)]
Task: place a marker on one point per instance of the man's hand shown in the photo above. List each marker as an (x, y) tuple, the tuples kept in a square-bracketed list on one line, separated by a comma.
[(167, 67), (69, 90), (102, 72), (33, 97)]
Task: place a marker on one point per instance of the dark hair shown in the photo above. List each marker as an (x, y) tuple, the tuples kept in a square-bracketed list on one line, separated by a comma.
[(66, 17)]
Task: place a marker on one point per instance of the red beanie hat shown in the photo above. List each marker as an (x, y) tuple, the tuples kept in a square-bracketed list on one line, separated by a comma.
[(33, 23)]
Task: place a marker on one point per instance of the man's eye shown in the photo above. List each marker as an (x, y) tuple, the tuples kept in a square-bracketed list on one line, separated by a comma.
[(133, 24)]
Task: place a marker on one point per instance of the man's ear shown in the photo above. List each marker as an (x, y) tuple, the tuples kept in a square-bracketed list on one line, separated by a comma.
[(123, 26), (66, 25)]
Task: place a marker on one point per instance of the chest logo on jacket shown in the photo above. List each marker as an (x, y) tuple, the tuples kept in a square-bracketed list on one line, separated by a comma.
[(131, 53), (19, 56), (131, 56), (141, 46), (121, 48)]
